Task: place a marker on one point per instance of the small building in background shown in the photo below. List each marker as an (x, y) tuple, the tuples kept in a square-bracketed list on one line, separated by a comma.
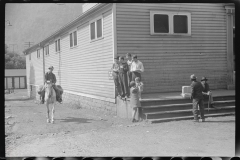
[(15, 78)]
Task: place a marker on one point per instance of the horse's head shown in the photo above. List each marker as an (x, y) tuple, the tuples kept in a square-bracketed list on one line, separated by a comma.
[(48, 88)]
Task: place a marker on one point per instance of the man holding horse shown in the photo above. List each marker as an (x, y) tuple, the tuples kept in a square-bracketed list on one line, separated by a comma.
[(50, 76)]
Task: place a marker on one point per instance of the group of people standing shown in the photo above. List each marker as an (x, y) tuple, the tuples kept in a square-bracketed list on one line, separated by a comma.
[(124, 71), (200, 92), (127, 79)]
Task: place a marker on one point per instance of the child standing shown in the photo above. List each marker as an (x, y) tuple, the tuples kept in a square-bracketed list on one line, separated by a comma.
[(134, 99), (139, 85)]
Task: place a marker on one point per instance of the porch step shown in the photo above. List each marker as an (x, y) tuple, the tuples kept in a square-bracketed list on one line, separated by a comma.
[(153, 102), (184, 106), (187, 117), (187, 112)]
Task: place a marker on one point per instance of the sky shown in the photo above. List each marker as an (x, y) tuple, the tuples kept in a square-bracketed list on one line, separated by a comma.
[(33, 22)]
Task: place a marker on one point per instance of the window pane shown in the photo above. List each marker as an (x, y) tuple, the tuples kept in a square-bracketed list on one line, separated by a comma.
[(161, 23), (71, 43), (48, 49), (58, 44), (75, 38), (180, 24), (93, 30), (99, 28)]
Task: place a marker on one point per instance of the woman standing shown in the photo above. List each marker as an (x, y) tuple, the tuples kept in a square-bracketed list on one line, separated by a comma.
[(123, 79)]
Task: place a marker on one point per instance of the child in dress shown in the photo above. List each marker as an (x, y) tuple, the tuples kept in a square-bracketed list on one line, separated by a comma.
[(134, 99), (139, 85)]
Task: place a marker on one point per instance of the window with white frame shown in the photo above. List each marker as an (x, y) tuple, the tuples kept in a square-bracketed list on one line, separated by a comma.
[(73, 39), (46, 50), (170, 23), (38, 53), (57, 45), (96, 28)]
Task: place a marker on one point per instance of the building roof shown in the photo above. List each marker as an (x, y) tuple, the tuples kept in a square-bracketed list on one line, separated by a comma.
[(64, 28), (15, 72)]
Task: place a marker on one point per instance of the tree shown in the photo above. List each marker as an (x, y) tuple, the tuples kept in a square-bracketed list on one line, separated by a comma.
[(14, 61)]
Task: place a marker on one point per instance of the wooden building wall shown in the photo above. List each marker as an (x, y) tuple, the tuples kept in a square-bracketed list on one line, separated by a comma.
[(170, 60), (84, 68), (53, 60)]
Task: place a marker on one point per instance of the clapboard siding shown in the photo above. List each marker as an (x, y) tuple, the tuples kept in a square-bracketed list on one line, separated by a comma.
[(84, 69), (36, 69), (53, 60), (169, 60)]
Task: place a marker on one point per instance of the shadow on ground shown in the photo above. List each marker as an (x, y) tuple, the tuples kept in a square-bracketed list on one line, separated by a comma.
[(76, 120), (230, 121)]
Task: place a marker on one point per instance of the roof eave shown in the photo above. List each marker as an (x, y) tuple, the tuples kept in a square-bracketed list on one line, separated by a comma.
[(65, 27)]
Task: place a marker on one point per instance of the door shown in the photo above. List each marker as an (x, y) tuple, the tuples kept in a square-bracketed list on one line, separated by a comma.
[(9, 82), (16, 82), (22, 82)]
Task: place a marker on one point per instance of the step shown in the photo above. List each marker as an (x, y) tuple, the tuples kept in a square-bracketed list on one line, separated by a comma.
[(150, 102), (184, 106), (181, 113), (187, 117)]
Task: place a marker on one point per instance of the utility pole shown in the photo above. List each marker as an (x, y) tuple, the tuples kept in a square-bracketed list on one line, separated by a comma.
[(28, 44)]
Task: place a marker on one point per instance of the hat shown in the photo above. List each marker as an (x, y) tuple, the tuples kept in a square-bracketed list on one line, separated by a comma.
[(193, 76), (204, 79), (134, 56), (129, 54), (51, 67), (132, 83), (116, 57)]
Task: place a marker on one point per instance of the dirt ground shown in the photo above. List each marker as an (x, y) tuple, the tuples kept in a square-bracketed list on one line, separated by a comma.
[(82, 132)]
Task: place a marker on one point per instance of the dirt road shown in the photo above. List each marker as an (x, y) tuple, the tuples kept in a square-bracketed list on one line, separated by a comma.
[(81, 132)]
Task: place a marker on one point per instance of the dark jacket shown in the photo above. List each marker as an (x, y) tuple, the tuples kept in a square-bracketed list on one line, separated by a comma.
[(205, 87), (124, 68), (50, 77), (197, 90)]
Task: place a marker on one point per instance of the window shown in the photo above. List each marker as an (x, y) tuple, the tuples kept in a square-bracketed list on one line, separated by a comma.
[(57, 45), (38, 53), (46, 50), (73, 39), (96, 29), (29, 56), (170, 23)]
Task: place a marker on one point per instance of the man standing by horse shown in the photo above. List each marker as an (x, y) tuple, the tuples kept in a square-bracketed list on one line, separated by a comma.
[(50, 76)]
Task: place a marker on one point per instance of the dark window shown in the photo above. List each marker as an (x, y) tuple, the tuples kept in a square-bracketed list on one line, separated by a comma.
[(92, 30), (71, 42), (161, 23), (99, 28), (46, 50), (75, 38), (29, 56), (56, 49), (58, 44), (180, 24)]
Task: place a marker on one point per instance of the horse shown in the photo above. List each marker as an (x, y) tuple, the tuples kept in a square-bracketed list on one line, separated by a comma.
[(50, 98)]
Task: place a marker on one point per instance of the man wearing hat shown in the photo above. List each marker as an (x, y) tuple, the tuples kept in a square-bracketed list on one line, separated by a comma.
[(115, 74), (49, 76), (197, 98), (207, 92)]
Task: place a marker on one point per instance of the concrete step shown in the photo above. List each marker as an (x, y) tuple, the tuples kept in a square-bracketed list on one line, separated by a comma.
[(188, 112), (152, 102), (184, 106), (187, 117)]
